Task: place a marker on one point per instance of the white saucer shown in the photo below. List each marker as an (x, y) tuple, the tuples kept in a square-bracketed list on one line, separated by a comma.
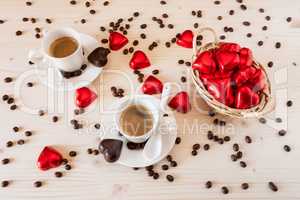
[(135, 158), (52, 78)]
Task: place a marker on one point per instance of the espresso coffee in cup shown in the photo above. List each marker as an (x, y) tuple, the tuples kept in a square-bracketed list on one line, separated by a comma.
[(63, 47), (136, 120)]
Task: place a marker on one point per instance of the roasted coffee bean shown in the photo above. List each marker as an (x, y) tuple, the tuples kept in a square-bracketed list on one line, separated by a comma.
[(92, 12), (183, 79), (270, 64), (104, 41), (243, 164), (155, 72), (33, 20), (95, 152), (28, 133), (231, 12), (21, 142), (16, 129), (282, 132), (68, 167), (216, 138), (193, 13), (5, 161), (264, 28), (210, 135), (173, 163), (216, 121), (58, 174), (221, 141), (89, 151), (5, 97), (38, 184), (170, 26), (149, 168), (10, 100), (249, 35), (72, 153), (248, 139), (206, 147), (246, 23), (168, 44), (165, 15), (180, 62), (164, 167), (150, 173), (196, 146), (170, 178), (244, 186), (49, 21), (178, 140), (278, 120), (2, 21), (243, 7), (222, 37), (41, 113), (261, 10), (9, 144), (226, 138), (235, 147), (74, 121), (54, 119), (13, 107), (143, 35), (260, 43), (217, 2), (83, 21), (287, 148), (194, 153), (225, 190), (208, 184), (163, 2), (64, 161), (239, 155), (233, 157), (4, 183), (73, 2), (273, 187), (289, 103), (8, 79), (268, 18), (219, 17), (277, 45), (28, 3), (155, 175), (97, 126), (262, 120), (29, 84), (169, 158), (188, 64), (289, 19)]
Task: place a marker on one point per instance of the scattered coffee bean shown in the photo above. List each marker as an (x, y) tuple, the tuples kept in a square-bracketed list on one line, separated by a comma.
[(287, 148), (16, 129), (92, 12), (4, 183), (289, 19), (170, 178), (68, 167), (9, 144), (10, 100), (8, 79), (89, 151), (260, 43), (233, 157), (155, 72), (248, 139), (169, 158), (289, 103), (196, 146), (18, 33), (278, 120), (244, 186), (58, 174), (273, 187), (194, 153), (37, 184), (225, 190), (208, 184), (73, 2), (5, 97), (28, 3), (239, 155), (277, 45), (155, 176), (178, 140), (243, 164), (235, 147), (5, 161), (173, 163), (164, 167), (206, 147), (72, 153), (28, 133), (262, 120), (97, 126), (21, 142), (226, 138), (282, 132), (49, 21), (54, 119), (13, 107), (41, 113), (183, 79)]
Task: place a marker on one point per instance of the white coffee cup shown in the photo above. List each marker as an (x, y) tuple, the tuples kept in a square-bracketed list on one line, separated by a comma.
[(69, 63)]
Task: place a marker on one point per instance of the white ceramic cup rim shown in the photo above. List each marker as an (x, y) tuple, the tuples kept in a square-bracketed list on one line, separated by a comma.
[(64, 32), (139, 100)]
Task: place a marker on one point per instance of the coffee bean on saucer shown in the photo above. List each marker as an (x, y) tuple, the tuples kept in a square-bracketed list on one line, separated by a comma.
[(9, 144), (248, 139), (155, 176), (96, 152), (58, 174), (208, 184), (225, 190), (169, 158), (38, 184), (72, 153), (5, 161), (244, 186), (287, 148), (273, 187), (92, 12), (150, 173), (170, 178), (178, 140), (5, 183), (194, 152)]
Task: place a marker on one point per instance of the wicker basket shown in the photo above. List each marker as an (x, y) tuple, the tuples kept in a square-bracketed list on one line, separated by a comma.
[(266, 104)]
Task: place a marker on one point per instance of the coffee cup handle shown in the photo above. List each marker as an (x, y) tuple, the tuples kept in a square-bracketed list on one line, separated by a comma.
[(165, 97)]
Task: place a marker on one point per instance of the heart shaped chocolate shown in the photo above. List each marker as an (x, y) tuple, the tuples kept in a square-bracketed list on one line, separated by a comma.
[(185, 39), (258, 81), (205, 63), (244, 75), (152, 85), (246, 98), (117, 41), (98, 57), (245, 58), (227, 60), (180, 102), (111, 149), (84, 97), (139, 60), (49, 158), (221, 90), (231, 47)]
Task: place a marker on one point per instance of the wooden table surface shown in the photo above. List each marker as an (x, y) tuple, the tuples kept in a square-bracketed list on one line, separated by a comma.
[(93, 179)]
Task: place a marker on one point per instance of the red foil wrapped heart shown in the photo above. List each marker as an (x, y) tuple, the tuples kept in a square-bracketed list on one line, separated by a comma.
[(227, 60), (139, 60), (117, 41), (246, 58), (246, 98), (152, 85), (180, 102), (84, 97), (221, 90), (185, 39), (258, 81), (244, 75), (49, 158), (232, 47), (205, 63)]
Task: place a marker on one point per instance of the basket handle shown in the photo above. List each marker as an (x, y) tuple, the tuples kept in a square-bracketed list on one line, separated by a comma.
[(195, 49)]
